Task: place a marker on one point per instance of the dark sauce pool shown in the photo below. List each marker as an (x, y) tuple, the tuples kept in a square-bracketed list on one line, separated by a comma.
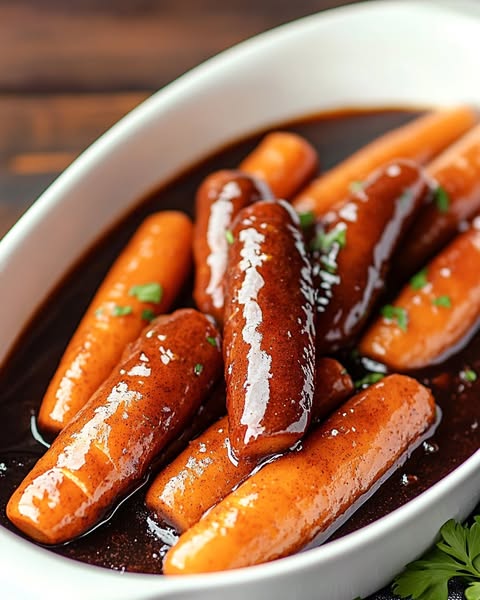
[(131, 539)]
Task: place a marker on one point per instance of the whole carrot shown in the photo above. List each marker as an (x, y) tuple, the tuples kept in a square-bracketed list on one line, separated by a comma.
[(142, 283), (283, 506), (419, 140)]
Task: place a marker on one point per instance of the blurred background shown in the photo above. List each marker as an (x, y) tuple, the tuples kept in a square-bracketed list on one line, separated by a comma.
[(69, 70)]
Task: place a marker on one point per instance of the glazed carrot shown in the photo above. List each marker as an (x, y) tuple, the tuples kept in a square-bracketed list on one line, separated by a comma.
[(205, 472), (106, 449), (283, 506), (143, 282), (220, 197), (269, 333), (356, 248), (434, 313), (419, 140), (455, 176), (285, 161)]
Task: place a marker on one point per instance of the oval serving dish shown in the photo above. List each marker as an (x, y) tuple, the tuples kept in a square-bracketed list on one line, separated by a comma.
[(378, 54)]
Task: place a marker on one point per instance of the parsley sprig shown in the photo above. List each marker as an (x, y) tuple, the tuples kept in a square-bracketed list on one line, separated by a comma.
[(457, 554)]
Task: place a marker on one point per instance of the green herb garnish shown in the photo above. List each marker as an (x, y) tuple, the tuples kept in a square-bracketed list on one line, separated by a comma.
[(99, 312), (197, 369), (419, 281), (148, 315), (148, 292), (441, 199), (325, 241), (443, 301), (212, 341), (457, 554), (369, 379), (356, 186), (121, 311), (396, 313), (229, 236), (468, 375), (306, 219)]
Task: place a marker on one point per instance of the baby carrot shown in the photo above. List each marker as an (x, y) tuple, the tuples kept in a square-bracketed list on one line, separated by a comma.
[(142, 283), (434, 313), (419, 140), (285, 161), (283, 506)]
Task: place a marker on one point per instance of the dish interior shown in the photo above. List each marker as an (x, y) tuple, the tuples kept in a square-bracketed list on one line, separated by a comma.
[(131, 539)]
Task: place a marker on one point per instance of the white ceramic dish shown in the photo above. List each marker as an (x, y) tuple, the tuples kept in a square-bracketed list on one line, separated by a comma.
[(376, 54)]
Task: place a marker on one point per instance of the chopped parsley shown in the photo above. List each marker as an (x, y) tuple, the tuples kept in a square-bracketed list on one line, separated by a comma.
[(197, 369), (468, 375), (229, 236), (443, 301), (99, 312), (148, 292), (369, 379), (121, 311), (306, 219), (455, 555), (419, 281), (441, 199), (212, 341), (396, 313), (356, 186), (148, 315), (325, 241)]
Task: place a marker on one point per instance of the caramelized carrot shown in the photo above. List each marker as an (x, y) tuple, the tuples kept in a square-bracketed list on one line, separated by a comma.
[(143, 282), (220, 197), (283, 506), (285, 161), (269, 334), (434, 313), (455, 176), (356, 248), (205, 472), (106, 449), (419, 140)]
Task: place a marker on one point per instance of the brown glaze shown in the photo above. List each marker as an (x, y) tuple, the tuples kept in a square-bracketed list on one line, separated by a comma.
[(457, 172), (288, 502), (419, 141), (206, 471), (159, 252), (147, 400), (219, 199), (269, 331), (351, 271), (432, 331), (129, 539), (284, 160)]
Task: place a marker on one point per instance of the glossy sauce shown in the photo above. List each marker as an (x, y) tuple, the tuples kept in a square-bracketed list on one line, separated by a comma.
[(131, 540)]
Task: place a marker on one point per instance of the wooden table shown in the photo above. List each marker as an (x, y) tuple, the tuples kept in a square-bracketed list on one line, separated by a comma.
[(70, 69)]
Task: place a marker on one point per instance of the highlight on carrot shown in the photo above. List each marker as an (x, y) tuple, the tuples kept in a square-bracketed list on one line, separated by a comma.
[(219, 198), (435, 311), (421, 140), (284, 160), (206, 471), (288, 502), (455, 179), (142, 283), (107, 448), (354, 250)]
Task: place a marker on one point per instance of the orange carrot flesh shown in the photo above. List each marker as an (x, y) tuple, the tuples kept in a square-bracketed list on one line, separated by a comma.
[(419, 140), (285, 161), (283, 506), (106, 449), (434, 312), (205, 472), (455, 175), (153, 266)]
